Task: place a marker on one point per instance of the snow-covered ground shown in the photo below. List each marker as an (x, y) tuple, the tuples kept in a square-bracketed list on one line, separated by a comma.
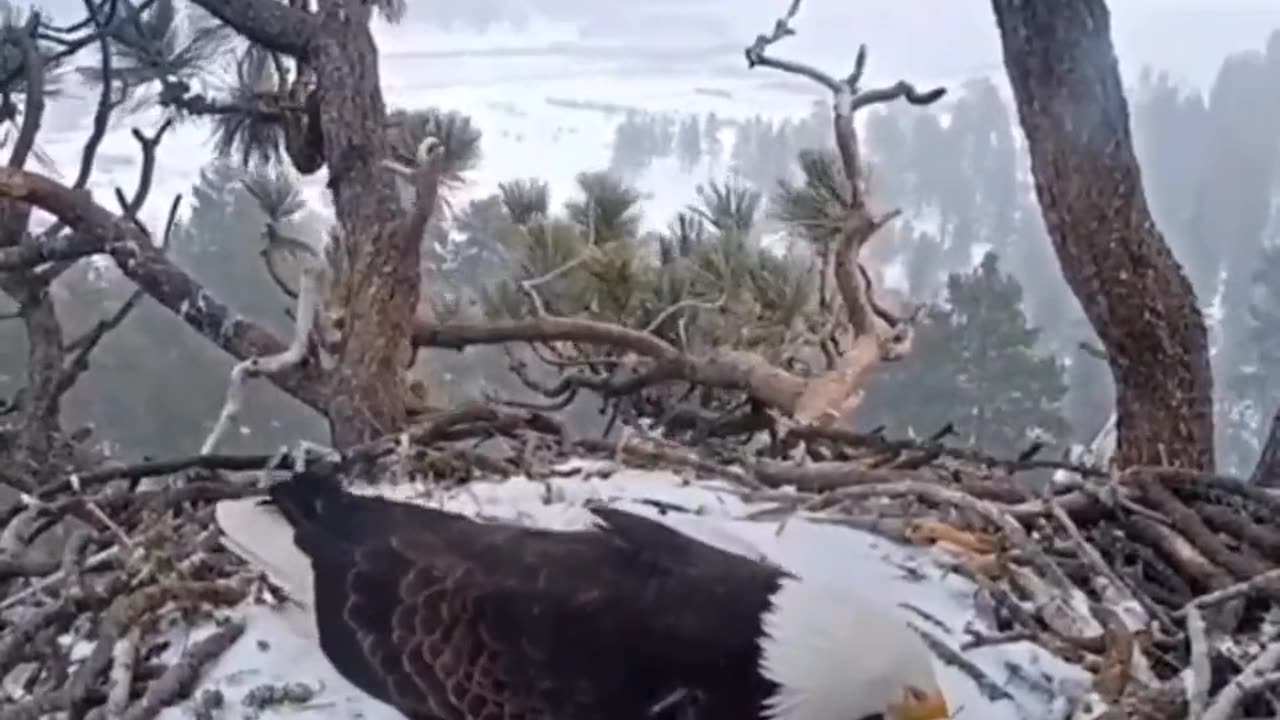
[(525, 134), (1029, 680)]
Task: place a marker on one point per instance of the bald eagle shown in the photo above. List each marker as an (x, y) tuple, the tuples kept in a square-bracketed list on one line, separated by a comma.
[(445, 617)]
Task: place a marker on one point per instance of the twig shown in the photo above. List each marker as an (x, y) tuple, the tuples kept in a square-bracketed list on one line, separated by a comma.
[(123, 656), (989, 688), (677, 307), (529, 287), (153, 468), (177, 682), (1201, 681), (1249, 680), (1231, 592), (308, 302), (1119, 593)]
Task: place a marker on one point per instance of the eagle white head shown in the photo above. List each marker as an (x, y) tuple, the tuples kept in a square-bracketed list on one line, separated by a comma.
[(836, 655)]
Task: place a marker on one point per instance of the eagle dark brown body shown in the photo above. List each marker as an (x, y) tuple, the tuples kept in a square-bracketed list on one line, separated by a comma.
[(447, 618)]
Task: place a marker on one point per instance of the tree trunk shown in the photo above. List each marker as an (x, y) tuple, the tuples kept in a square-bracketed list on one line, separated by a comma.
[(1267, 472), (369, 388), (365, 395), (41, 397), (1072, 108)]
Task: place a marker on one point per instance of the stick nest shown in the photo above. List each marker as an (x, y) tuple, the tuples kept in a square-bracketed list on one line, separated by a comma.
[(1140, 577)]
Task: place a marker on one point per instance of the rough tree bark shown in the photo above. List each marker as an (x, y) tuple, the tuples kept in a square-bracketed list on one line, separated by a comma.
[(1266, 473), (1072, 108), (367, 396)]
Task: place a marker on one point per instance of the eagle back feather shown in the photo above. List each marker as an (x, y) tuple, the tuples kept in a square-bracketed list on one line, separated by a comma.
[(449, 618)]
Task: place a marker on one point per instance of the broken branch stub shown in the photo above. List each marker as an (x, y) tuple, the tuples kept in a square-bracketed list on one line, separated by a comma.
[(878, 335)]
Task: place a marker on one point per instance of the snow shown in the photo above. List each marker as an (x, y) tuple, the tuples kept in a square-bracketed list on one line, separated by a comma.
[(939, 603)]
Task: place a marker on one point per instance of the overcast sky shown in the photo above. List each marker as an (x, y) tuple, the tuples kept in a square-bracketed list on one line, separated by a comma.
[(935, 37)]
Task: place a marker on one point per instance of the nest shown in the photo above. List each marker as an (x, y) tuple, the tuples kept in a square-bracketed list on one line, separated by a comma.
[(1142, 577)]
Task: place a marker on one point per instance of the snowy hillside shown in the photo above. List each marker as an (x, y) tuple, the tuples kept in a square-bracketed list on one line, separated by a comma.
[(1021, 682)]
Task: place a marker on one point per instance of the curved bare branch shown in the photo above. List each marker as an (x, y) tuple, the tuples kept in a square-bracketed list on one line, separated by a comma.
[(98, 230)]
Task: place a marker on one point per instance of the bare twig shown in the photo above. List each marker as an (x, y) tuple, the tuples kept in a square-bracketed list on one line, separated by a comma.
[(838, 392), (1248, 681), (313, 269), (1230, 592), (1201, 680), (123, 656), (177, 682)]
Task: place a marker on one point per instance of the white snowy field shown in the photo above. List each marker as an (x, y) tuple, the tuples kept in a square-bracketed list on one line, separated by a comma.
[(504, 76), (1029, 683), (522, 137)]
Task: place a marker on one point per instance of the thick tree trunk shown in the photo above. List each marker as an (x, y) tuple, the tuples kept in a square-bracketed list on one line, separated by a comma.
[(369, 389), (1071, 105)]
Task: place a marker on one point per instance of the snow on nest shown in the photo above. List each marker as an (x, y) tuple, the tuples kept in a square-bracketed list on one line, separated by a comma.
[(1033, 680)]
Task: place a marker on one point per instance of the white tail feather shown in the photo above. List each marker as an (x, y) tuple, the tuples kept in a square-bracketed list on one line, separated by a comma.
[(264, 539)]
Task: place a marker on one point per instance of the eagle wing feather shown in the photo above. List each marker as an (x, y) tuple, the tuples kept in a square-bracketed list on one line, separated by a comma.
[(447, 618)]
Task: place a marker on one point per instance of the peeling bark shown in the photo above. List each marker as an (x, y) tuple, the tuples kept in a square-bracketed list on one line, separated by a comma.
[(1071, 105), (368, 398), (380, 289)]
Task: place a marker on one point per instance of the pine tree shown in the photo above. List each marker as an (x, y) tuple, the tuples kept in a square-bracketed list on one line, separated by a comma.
[(689, 144), (633, 146), (218, 244), (1253, 388), (177, 380), (975, 366), (711, 142)]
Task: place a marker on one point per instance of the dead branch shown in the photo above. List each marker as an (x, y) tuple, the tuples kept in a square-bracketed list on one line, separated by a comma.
[(835, 394), (96, 230), (1201, 680), (313, 268), (40, 400), (542, 329), (123, 657), (1229, 592), (1194, 529), (1244, 684), (153, 468), (878, 335), (33, 110), (177, 682), (425, 178)]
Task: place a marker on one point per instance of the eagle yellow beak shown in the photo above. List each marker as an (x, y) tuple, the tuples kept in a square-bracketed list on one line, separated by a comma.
[(917, 704)]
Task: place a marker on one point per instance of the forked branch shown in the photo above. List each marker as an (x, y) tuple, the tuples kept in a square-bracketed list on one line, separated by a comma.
[(877, 335)]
